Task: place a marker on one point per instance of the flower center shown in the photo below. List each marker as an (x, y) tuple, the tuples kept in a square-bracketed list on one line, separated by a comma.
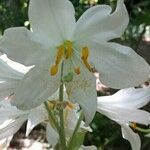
[(65, 51)]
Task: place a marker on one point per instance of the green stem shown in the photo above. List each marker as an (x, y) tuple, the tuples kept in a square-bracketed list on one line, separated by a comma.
[(51, 116), (75, 131), (61, 113), (143, 130)]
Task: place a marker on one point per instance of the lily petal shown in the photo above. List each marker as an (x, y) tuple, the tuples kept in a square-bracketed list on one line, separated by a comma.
[(40, 83), (119, 66), (11, 128), (54, 19), (52, 135), (9, 79), (120, 114), (34, 119), (128, 98), (4, 143), (83, 91), (102, 25), (7, 111), (88, 147), (132, 137), (7, 71), (69, 122), (29, 48)]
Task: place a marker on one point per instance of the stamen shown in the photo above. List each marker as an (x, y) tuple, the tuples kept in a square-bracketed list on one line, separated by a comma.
[(60, 54), (85, 53), (54, 70), (69, 49), (133, 125), (87, 65), (50, 105), (70, 105), (77, 70)]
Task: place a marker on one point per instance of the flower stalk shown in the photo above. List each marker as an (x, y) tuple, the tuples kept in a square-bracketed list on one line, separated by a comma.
[(143, 130), (51, 116), (61, 113)]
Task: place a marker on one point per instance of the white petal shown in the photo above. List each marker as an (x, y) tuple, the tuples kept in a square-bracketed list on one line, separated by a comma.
[(97, 22), (36, 116), (23, 46), (132, 137), (19, 68), (119, 66), (35, 88), (9, 79), (88, 147), (52, 18), (85, 127), (71, 120), (52, 135), (127, 98), (11, 119), (4, 143), (6, 71), (7, 88), (120, 114), (83, 91), (11, 128), (10, 112)]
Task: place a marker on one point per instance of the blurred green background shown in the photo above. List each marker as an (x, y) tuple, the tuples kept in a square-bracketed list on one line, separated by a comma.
[(106, 133)]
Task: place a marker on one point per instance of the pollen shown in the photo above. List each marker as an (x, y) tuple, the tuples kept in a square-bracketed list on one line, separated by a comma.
[(70, 105), (77, 70), (54, 70), (69, 49), (60, 54), (133, 125), (85, 53)]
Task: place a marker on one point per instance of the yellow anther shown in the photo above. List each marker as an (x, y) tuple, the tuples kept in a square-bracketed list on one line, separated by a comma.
[(69, 49), (54, 70), (50, 105), (60, 54), (88, 66), (133, 125), (85, 53), (70, 105), (77, 70)]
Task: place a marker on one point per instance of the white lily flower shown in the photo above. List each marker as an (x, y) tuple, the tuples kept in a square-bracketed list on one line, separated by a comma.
[(11, 118), (123, 107), (82, 45)]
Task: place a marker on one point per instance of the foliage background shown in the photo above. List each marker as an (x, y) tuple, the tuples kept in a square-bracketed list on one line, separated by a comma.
[(107, 134)]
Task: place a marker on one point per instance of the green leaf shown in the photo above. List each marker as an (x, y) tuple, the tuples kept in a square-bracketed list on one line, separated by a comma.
[(78, 140)]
